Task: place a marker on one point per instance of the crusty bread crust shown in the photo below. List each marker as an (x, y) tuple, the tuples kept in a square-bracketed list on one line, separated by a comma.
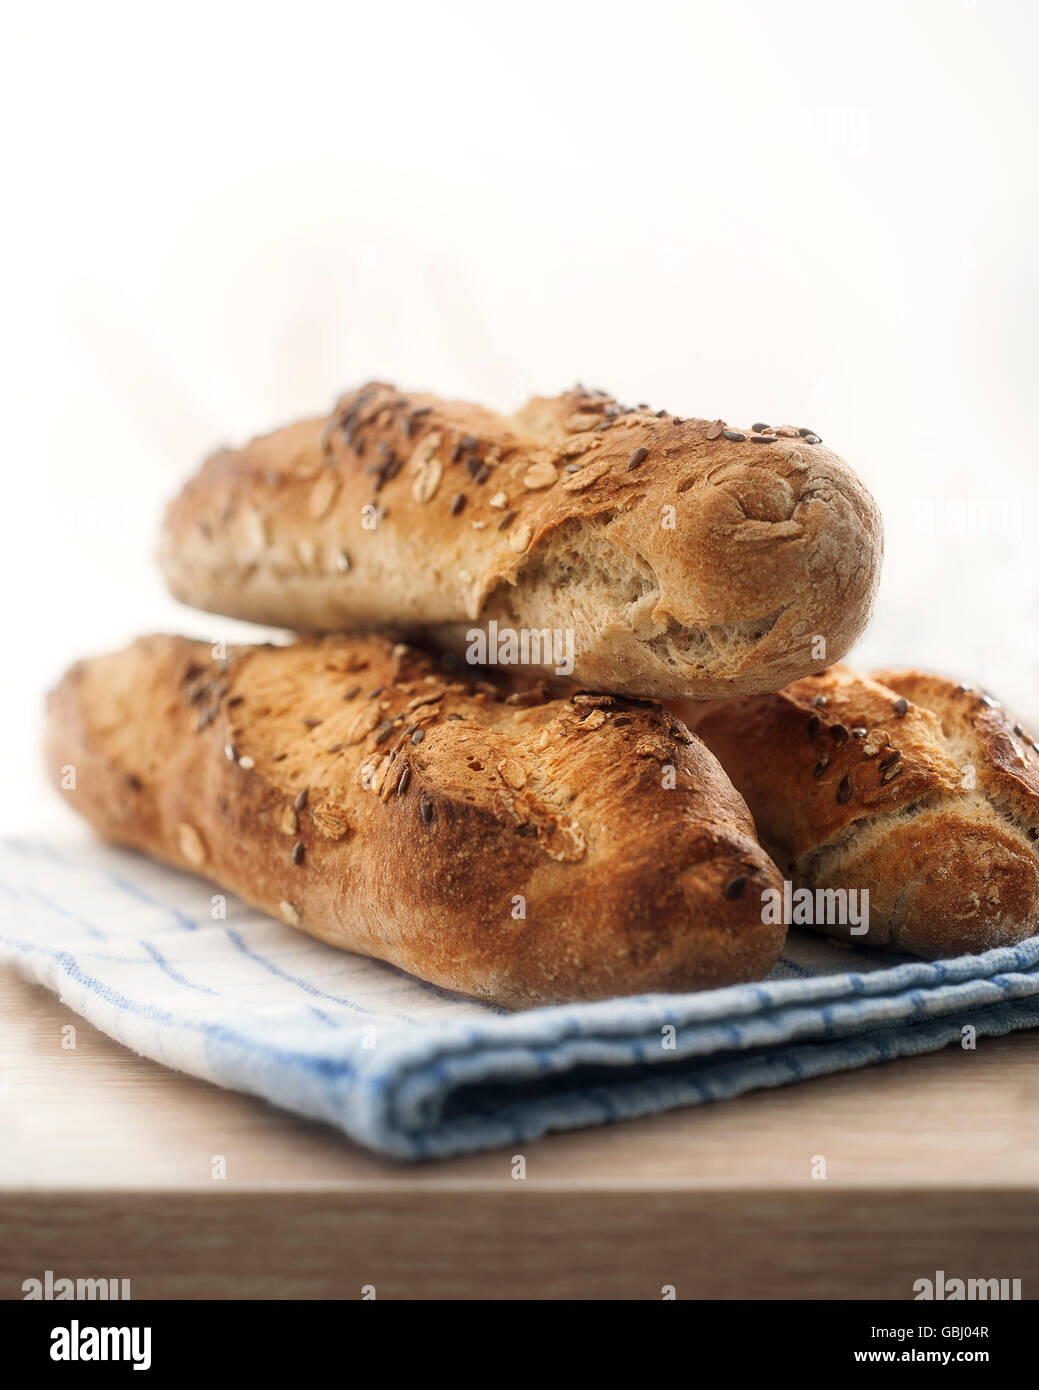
[(689, 560), (252, 770), (922, 790)]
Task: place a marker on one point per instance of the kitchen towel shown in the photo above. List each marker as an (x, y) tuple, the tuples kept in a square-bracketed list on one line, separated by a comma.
[(189, 976)]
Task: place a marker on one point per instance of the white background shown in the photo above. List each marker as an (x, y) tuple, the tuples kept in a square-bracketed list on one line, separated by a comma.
[(219, 216)]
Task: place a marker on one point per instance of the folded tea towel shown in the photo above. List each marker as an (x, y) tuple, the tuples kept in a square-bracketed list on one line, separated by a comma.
[(198, 981)]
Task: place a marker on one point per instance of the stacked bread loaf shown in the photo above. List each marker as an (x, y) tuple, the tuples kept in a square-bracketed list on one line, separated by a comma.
[(411, 778), (919, 790)]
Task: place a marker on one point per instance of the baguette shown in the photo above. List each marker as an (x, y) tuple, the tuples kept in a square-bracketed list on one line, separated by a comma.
[(686, 560), (484, 837), (921, 790)]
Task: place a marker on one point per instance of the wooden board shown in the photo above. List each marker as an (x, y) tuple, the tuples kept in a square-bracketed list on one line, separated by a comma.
[(106, 1164)]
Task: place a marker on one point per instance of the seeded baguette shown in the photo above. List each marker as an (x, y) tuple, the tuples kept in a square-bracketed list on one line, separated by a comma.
[(687, 558), (922, 790), (479, 798)]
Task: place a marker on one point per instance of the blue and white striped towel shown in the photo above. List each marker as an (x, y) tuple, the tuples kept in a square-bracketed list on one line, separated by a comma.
[(417, 1072)]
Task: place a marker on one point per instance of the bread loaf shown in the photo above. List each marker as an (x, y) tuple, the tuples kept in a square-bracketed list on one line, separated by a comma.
[(921, 790), (486, 838), (684, 558)]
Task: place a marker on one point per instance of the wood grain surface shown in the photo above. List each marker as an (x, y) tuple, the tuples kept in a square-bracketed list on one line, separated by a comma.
[(106, 1163)]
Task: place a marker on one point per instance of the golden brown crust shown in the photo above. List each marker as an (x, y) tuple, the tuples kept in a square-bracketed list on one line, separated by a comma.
[(249, 770), (922, 790), (687, 563)]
